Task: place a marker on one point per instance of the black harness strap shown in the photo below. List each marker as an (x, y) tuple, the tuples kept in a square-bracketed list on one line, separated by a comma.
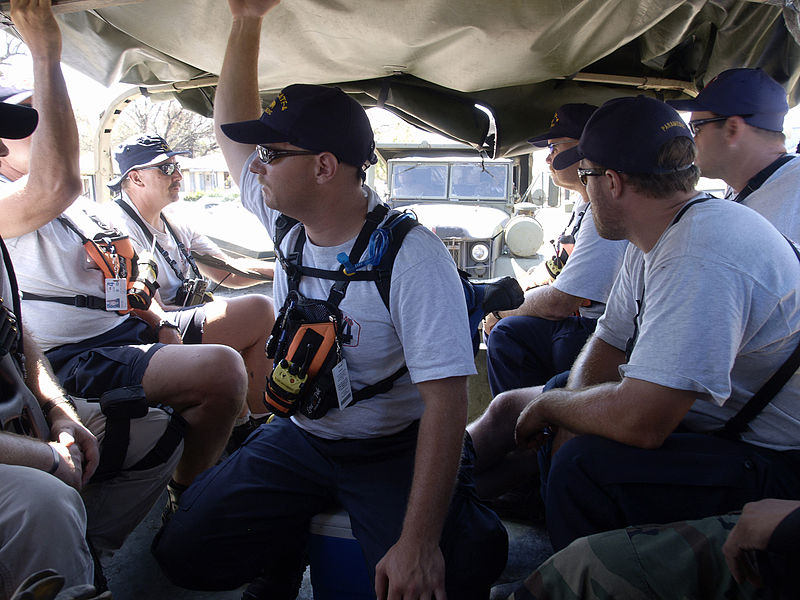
[(120, 406), (166, 444), (759, 178), (70, 225), (80, 301), (186, 254), (341, 278), (397, 234)]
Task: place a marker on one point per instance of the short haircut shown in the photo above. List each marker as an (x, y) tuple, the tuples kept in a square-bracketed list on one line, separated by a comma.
[(674, 154)]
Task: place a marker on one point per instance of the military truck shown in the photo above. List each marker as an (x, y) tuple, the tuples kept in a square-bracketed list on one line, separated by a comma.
[(471, 204)]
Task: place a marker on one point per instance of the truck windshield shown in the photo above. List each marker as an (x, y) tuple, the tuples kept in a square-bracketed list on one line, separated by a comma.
[(478, 181), (420, 181)]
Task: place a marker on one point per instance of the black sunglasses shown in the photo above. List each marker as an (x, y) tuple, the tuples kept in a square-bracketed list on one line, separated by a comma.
[(584, 174), (167, 168), (267, 155), (694, 126)]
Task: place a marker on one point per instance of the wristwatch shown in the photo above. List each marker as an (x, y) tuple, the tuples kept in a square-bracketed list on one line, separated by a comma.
[(168, 324)]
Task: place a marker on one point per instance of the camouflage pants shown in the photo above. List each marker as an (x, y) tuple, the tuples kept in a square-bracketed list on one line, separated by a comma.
[(681, 560)]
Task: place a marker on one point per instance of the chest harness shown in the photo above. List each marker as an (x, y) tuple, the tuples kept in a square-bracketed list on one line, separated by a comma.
[(114, 255), (193, 290), (306, 341), (565, 245)]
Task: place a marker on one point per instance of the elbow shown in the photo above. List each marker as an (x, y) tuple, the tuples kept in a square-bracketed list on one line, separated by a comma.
[(558, 311), (70, 188), (63, 191)]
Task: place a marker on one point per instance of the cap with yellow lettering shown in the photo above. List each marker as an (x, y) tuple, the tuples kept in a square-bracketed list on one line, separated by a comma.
[(626, 135)]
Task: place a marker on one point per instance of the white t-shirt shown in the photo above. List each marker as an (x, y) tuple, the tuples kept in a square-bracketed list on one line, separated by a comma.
[(51, 261), (168, 280), (720, 314), (427, 329), (778, 199), (592, 267)]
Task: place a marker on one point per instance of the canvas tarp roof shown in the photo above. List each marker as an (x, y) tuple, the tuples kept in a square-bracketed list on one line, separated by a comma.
[(431, 61)]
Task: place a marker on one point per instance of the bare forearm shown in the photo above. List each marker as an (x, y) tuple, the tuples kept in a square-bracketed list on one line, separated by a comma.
[(440, 438), (236, 280), (546, 302), (237, 97), (39, 376), (634, 412), (54, 168), (25, 452)]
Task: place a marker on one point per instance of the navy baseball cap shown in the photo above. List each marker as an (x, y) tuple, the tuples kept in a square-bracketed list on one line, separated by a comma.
[(314, 117), (749, 93), (16, 122), (626, 135), (141, 151), (568, 121)]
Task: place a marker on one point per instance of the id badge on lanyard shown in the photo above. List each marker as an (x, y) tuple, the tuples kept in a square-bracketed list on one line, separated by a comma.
[(116, 293), (116, 290)]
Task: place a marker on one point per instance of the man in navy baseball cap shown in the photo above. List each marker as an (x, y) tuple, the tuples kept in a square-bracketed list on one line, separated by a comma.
[(748, 93), (737, 120), (305, 157), (531, 344), (568, 122), (666, 369), (314, 117), (627, 134)]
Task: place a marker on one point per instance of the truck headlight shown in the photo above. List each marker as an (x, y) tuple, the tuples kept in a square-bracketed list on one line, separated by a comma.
[(480, 252)]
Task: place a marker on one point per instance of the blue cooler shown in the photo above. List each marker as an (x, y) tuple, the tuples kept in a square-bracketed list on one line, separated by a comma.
[(338, 568)]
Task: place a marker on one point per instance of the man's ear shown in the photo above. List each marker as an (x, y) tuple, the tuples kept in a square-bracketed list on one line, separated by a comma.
[(327, 166), (616, 182), (734, 128), (136, 178)]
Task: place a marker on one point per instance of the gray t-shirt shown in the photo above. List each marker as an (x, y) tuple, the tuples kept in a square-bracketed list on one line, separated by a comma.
[(592, 267), (51, 261), (427, 329), (715, 317), (168, 280), (778, 199)]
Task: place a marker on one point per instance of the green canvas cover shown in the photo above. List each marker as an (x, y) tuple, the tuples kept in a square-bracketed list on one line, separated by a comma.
[(432, 61)]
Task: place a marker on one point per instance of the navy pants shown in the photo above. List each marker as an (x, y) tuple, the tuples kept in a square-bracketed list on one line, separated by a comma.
[(593, 484), (526, 351), (249, 516)]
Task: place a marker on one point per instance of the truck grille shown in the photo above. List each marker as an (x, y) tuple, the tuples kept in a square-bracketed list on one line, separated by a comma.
[(457, 250)]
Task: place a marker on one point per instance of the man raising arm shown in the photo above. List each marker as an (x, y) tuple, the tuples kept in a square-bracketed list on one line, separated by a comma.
[(390, 457)]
